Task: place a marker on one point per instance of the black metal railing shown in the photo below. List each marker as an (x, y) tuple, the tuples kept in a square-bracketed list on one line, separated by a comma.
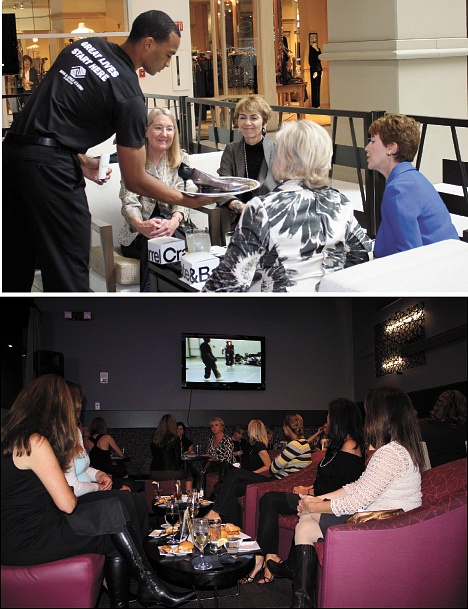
[(453, 125), (221, 131)]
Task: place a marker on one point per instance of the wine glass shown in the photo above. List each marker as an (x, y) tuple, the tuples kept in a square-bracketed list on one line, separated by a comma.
[(194, 505), (201, 536), (177, 486), (157, 492), (172, 517)]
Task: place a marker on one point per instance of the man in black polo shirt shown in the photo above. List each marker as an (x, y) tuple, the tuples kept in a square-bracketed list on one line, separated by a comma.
[(90, 93)]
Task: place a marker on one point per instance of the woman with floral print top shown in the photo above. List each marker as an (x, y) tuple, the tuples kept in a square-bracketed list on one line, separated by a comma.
[(288, 239), (220, 447)]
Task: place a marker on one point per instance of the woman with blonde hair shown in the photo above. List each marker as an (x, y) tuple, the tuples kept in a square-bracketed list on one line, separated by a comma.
[(287, 240), (251, 156), (295, 456), (147, 218)]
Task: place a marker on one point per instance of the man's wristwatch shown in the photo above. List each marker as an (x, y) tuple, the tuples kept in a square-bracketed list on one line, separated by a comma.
[(179, 217), (236, 206)]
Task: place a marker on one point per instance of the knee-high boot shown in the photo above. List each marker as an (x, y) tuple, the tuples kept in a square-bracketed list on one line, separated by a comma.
[(150, 588), (286, 567), (305, 573), (117, 574)]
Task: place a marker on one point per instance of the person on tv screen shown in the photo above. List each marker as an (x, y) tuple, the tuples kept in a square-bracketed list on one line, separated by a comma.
[(209, 359)]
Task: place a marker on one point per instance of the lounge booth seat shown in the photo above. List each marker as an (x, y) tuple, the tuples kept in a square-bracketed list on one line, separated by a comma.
[(417, 559), (70, 582)]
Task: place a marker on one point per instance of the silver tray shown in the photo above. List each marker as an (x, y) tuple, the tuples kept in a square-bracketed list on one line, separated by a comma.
[(247, 185)]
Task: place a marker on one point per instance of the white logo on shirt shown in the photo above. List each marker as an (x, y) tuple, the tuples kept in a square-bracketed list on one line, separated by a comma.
[(78, 72)]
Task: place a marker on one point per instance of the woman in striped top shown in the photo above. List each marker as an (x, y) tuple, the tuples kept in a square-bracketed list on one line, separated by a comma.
[(295, 456)]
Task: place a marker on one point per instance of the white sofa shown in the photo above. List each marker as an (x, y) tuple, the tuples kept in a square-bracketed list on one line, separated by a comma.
[(109, 270), (438, 268)]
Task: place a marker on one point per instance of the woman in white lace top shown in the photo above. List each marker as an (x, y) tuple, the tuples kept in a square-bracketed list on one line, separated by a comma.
[(391, 480)]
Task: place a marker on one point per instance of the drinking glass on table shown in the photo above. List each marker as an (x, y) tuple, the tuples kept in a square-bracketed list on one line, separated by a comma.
[(194, 504), (177, 487), (215, 534), (156, 489), (172, 517), (157, 492), (232, 545), (201, 536), (201, 241)]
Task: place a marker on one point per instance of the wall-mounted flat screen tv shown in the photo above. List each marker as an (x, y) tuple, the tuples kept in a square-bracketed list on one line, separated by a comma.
[(223, 361)]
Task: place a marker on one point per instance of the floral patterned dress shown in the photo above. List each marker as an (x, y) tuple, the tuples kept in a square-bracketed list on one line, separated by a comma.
[(288, 239)]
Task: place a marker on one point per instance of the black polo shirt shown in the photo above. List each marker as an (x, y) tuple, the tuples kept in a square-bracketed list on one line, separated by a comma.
[(90, 92)]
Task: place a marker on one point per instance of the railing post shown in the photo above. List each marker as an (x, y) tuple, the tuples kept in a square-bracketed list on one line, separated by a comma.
[(375, 184)]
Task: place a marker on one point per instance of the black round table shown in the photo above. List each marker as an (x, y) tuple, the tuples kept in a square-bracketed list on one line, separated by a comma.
[(178, 570)]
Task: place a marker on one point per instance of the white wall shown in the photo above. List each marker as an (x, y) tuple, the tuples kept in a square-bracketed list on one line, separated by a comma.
[(165, 83), (405, 57)]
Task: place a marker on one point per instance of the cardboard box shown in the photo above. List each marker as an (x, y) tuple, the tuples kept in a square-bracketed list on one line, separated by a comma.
[(165, 250), (197, 267)]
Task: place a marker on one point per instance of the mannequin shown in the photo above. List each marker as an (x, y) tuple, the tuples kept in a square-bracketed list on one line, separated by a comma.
[(316, 72)]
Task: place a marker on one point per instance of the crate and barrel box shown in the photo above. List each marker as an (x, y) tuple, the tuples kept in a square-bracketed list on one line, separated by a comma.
[(197, 267), (165, 250)]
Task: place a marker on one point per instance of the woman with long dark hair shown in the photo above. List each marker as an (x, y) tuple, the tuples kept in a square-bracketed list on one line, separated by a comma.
[(165, 448), (445, 430), (40, 519), (391, 480), (343, 463)]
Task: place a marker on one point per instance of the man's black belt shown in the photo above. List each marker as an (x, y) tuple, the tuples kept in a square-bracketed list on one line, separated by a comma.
[(32, 139)]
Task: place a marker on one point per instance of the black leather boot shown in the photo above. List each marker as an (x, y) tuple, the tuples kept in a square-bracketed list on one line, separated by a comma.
[(305, 573), (150, 588), (117, 574), (286, 567)]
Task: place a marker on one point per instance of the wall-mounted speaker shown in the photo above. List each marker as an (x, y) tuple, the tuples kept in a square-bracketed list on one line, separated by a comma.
[(10, 61), (48, 362)]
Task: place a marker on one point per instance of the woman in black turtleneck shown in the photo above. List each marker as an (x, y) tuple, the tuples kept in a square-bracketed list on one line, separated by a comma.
[(252, 156)]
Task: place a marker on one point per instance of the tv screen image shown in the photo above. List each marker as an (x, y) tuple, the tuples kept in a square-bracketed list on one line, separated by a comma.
[(223, 361)]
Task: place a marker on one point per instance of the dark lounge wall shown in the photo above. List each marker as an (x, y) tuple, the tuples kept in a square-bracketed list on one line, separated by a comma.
[(445, 364), (309, 355), (317, 349)]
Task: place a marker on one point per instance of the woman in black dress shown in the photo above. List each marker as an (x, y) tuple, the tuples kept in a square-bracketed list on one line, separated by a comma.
[(40, 519), (165, 448), (343, 463)]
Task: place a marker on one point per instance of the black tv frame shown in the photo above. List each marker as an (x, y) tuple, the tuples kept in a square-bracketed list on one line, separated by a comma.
[(223, 383)]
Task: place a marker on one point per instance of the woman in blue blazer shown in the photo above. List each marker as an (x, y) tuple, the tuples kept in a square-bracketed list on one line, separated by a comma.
[(413, 214)]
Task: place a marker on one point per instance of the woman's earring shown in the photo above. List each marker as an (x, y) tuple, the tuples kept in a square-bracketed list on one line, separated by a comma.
[(263, 131)]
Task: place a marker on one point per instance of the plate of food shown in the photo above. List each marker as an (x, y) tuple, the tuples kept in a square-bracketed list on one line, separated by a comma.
[(184, 547), (205, 502), (220, 187), (232, 530)]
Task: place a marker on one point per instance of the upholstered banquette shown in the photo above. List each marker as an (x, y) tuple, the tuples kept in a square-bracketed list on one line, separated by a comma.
[(71, 582), (417, 559), (250, 503)]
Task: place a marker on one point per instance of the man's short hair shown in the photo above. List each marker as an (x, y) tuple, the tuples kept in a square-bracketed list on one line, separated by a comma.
[(153, 24)]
